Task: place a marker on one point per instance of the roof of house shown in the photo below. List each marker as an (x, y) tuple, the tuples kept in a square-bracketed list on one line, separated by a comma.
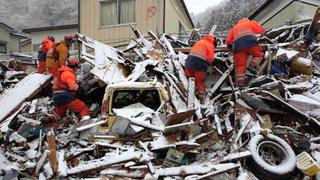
[(25, 42), (275, 7), (48, 28), (187, 12), (11, 30), (7, 27)]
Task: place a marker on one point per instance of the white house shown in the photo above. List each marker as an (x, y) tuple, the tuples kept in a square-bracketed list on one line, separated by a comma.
[(58, 32), (9, 39)]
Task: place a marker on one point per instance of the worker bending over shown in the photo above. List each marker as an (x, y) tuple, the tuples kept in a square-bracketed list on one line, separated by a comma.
[(198, 61), (243, 39), (64, 92)]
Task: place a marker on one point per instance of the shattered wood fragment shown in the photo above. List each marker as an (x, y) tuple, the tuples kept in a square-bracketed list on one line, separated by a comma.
[(206, 140), (236, 156), (245, 120), (179, 117), (218, 124), (291, 107), (183, 170), (191, 94), (97, 164), (52, 147), (62, 165), (23, 91), (41, 161), (220, 171), (123, 173), (217, 85)]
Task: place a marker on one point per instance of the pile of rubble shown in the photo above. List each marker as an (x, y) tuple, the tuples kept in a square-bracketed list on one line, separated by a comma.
[(147, 123)]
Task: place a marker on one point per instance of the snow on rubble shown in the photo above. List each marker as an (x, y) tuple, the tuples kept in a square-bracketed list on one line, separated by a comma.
[(147, 122)]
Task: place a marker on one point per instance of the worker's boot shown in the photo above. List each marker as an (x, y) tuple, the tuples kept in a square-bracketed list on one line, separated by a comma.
[(50, 119)]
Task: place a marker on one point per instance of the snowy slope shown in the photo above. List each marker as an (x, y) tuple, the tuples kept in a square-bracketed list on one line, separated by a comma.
[(22, 14)]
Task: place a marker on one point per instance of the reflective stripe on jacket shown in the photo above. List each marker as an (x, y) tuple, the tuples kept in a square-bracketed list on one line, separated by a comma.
[(245, 30), (204, 49)]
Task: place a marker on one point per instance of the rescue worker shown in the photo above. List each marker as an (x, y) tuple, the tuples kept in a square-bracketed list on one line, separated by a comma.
[(57, 56), (242, 38), (46, 44), (64, 92), (312, 30), (198, 61)]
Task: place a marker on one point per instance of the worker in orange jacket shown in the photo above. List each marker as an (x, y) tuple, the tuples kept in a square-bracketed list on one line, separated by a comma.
[(46, 44), (244, 41), (57, 56), (198, 61), (64, 92)]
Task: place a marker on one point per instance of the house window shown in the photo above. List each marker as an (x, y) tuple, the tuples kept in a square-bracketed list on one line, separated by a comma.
[(3, 48), (115, 12)]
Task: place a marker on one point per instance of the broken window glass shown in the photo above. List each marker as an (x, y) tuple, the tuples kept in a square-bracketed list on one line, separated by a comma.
[(149, 98)]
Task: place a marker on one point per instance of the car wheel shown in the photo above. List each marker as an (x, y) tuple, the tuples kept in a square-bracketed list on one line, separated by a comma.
[(272, 157)]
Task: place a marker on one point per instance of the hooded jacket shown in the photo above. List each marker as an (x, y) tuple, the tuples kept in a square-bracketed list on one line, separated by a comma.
[(204, 49), (66, 80), (243, 35)]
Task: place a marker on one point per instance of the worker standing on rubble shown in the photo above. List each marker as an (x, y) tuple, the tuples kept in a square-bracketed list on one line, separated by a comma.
[(198, 61), (312, 30), (46, 44), (242, 38), (57, 56), (64, 92)]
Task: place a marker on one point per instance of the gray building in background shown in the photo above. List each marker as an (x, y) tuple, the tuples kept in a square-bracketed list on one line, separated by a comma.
[(279, 12), (9, 39)]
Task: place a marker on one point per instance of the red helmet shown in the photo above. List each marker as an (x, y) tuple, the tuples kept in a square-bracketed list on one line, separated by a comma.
[(51, 38), (73, 62), (69, 39)]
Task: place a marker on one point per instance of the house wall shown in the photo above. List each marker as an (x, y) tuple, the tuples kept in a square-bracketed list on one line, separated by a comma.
[(14, 45), (5, 37), (149, 16), (175, 14), (36, 37), (296, 11), (90, 21), (26, 48)]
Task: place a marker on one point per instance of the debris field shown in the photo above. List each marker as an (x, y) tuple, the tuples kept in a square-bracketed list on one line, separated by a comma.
[(147, 122)]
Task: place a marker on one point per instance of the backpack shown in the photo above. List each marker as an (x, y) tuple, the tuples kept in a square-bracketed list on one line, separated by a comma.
[(52, 52)]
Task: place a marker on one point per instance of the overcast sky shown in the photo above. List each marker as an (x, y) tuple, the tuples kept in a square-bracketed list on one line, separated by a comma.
[(198, 6)]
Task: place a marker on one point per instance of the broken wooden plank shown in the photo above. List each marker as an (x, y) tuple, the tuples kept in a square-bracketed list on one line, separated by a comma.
[(191, 94), (236, 156), (245, 121), (52, 147), (179, 117), (104, 162), (219, 171), (26, 89), (223, 78)]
